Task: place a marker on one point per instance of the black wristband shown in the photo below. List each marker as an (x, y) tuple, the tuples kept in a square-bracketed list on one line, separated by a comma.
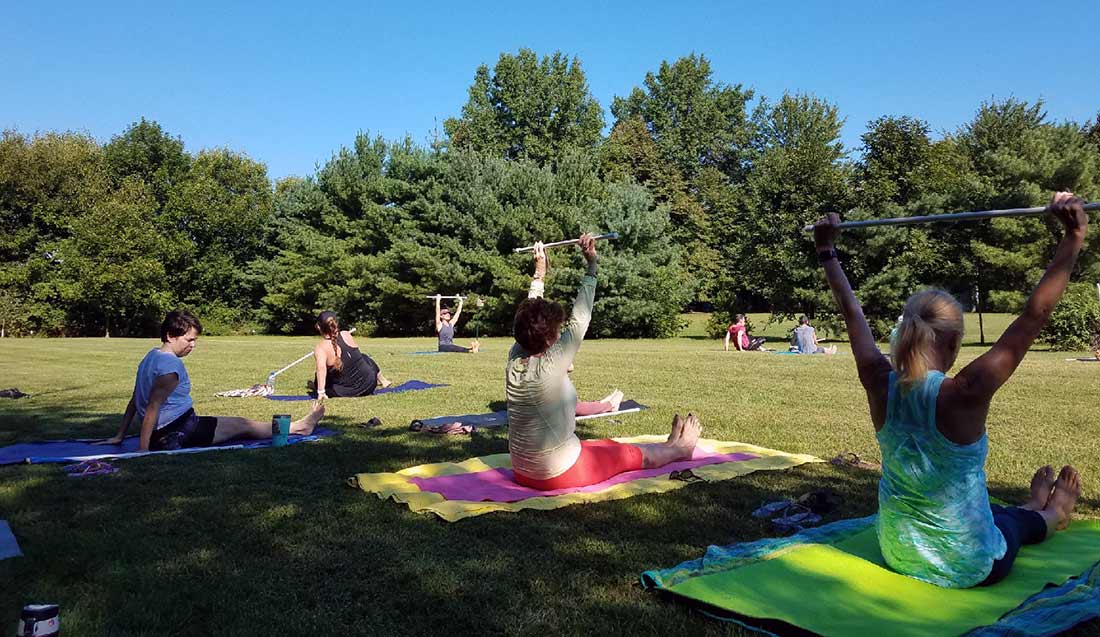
[(826, 255)]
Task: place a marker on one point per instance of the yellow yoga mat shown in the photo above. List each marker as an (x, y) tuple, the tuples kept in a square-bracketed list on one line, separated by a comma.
[(405, 485)]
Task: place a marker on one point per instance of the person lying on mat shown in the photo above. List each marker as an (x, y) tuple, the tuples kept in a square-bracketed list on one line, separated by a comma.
[(804, 338), (935, 521), (604, 405), (741, 339), (444, 327), (546, 453), (342, 370), (162, 399)]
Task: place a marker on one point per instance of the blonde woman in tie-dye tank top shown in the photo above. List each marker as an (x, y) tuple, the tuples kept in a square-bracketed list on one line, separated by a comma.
[(935, 520)]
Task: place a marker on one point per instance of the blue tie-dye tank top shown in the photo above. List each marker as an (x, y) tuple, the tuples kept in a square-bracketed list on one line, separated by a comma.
[(934, 521)]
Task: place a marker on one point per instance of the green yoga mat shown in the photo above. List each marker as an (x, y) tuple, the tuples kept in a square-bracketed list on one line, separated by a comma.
[(842, 586)]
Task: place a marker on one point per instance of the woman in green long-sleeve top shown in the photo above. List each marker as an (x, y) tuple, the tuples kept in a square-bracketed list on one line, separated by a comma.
[(546, 453)]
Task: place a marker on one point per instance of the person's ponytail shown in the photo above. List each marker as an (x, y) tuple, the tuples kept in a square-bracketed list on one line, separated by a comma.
[(332, 331), (929, 315)]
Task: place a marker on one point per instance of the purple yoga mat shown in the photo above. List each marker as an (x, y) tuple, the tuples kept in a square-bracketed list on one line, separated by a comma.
[(498, 485)]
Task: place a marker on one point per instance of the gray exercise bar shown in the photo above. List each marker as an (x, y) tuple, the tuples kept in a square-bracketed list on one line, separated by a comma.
[(609, 235), (954, 216), (453, 296)]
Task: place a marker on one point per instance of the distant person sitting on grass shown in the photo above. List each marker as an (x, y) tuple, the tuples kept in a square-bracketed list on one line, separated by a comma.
[(741, 339), (804, 339), (445, 328), (935, 521), (162, 399), (342, 370), (542, 403)]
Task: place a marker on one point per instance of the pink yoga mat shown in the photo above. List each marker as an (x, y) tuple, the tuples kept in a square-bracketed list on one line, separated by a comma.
[(498, 485)]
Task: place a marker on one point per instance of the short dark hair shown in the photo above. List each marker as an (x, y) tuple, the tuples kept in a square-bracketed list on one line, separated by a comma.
[(177, 323), (538, 324), (803, 320), (737, 318)]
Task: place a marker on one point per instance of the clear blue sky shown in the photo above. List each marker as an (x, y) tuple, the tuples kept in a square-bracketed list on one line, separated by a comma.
[(289, 83)]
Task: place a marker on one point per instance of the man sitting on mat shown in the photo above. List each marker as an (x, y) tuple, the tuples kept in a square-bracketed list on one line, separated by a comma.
[(546, 453), (604, 405), (342, 370), (741, 339), (162, 399)]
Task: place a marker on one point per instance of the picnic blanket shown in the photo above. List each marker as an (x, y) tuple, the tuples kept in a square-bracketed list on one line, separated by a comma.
[(409, 385), (500, 418), (9, 547), (832, 580), (454, 491), (83, 449)]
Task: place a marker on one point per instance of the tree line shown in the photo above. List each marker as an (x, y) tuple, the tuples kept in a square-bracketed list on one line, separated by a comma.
[(708, 183)]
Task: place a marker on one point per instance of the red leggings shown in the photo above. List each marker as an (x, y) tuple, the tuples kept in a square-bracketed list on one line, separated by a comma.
[(599, 460)]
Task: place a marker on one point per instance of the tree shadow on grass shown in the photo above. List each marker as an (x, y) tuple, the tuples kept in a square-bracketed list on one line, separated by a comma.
[(269, 540)]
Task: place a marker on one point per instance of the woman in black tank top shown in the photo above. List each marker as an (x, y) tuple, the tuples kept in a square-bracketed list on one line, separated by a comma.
[(342, 370)]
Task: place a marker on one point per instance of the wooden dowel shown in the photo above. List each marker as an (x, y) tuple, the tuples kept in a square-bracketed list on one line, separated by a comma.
[(609, 235)]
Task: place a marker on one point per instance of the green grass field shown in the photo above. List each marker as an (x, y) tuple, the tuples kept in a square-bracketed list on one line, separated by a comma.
[(272, 541)]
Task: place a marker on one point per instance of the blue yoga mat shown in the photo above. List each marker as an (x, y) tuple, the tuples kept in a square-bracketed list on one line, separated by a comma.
[(426, 353), (500, 418), (409, 385), (8, 546), (77, 450)]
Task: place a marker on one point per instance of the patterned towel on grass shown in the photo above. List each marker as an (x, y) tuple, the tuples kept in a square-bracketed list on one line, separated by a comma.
[(500, 418), (409, 385), (454, 491), (79, 450), (832, 580)]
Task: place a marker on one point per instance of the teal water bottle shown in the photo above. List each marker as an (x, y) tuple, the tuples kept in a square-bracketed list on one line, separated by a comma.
[(280, 429)]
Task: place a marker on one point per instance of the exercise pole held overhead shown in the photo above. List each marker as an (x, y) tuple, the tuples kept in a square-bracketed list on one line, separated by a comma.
[(609, 235), (440, 296), (954, 216)]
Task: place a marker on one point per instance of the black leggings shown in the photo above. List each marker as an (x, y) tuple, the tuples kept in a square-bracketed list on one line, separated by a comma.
[(189, 430), (1019, 526), (755, 342), (451, 347)]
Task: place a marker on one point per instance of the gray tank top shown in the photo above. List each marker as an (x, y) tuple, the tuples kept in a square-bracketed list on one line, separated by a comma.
[(446, 334), (804, 334)]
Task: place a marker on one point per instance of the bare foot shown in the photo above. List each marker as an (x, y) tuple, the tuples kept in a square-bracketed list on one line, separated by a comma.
[(677, 431), (689, 436), (1064, 497), (615, 398), (475, 347), (384, 382), (305, 425), (1041, 484)]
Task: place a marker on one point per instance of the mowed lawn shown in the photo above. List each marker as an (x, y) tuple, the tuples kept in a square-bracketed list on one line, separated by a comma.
[(272, 541)]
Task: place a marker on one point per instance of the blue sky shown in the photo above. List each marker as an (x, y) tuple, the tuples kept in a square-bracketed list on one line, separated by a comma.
[(288, 83)]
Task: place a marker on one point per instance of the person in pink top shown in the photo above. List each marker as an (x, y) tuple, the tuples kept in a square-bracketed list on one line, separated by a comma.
[(739, 333)]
